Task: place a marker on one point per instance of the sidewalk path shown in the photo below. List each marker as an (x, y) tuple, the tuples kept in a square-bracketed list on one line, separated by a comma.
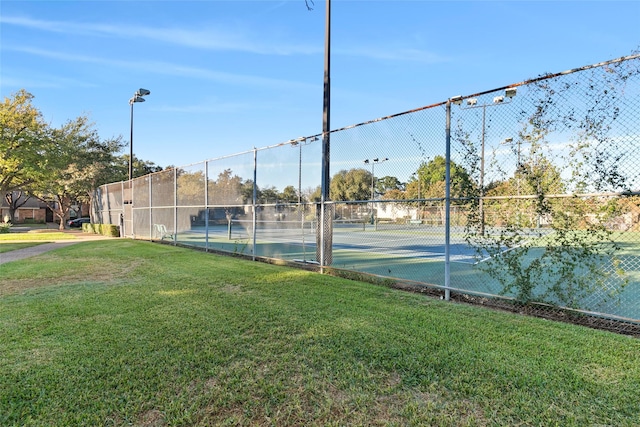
[(20, 254)]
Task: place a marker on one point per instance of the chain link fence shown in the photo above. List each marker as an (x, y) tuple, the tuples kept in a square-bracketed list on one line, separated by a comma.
[(524, 197)]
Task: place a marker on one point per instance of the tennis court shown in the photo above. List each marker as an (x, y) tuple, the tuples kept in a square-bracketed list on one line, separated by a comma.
[(412, 252)]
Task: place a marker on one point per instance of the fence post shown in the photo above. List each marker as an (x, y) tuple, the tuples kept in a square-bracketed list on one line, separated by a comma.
[(148, 177), (206, 206), (175, 205), (255, 201), (447, 201)]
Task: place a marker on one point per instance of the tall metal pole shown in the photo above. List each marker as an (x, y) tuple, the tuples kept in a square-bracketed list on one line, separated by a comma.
[(137, 97), (373, 163), (447, 201), (481, 201), (373, 194), (131, 145), (326, 106), (325, 244), (254, 201)]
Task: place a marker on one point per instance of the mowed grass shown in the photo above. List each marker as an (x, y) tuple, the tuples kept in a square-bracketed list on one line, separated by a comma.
[(11, 246), (36, 235), (125, 332)]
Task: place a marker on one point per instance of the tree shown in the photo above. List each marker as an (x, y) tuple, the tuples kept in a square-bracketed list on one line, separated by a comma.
[(313, 194), (289, 194), (247, 192), (77, 163), (352, 185), (140, 168), (394, 194), (269, 195), (388, 185), (191, 187), (94, 164), (432, 176), (23, 148), (15, 199), (226, 190)]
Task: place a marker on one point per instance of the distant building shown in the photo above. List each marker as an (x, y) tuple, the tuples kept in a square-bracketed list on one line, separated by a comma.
[(33, 210)]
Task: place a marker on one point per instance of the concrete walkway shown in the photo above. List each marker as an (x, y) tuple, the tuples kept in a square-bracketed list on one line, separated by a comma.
[(31, 251)]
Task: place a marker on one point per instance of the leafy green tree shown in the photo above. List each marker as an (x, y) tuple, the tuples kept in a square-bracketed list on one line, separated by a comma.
[(23, 148), (269, 195), (289, 194), (432, 176), (93, 164), (394, 194), (313, 194), (140, 168), (354, 184), (247, 192), (191, 187), (388, 185), (63, 185), (226, 190)]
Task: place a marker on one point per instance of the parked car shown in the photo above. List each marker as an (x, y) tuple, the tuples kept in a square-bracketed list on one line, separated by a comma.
[(77, 223)]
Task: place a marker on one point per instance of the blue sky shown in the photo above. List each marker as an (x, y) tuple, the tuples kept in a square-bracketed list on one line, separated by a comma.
[(227, 76)]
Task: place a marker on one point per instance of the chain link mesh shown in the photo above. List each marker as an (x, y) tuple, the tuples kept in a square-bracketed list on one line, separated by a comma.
[(544, 206)]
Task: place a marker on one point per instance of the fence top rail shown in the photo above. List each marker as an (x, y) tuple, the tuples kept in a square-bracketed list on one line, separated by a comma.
[(317, 137), (548, 76)]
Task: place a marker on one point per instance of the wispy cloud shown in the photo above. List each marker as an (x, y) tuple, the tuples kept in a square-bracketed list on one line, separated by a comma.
[(218, 38), (213, 107), (38, 81), (393, 53), (166, 68)]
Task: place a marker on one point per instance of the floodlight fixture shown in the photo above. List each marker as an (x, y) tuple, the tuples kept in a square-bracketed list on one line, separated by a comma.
[(297, 141), (456, 99), (498, 99), (511, 92), (143, 92), (136, 98), (472, 101)]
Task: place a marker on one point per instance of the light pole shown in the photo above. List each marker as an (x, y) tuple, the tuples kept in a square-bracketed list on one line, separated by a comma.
[(137, 97), (324, 240), (473, 103), (373, 179), (518, 171), (417, 176)]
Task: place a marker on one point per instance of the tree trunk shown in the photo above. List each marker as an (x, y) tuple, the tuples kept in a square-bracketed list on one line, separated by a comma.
[(14, 202)]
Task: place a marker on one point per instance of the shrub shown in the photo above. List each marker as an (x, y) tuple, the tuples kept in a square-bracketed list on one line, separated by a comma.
[(4, 227), (110, 230)]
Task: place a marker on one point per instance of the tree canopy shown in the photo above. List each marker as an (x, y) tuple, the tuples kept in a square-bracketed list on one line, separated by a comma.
[(23, 141), (60, 166)]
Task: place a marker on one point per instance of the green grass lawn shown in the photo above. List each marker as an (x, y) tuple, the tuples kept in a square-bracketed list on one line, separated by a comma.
[(11, 246), (37, 235), (124, 332)]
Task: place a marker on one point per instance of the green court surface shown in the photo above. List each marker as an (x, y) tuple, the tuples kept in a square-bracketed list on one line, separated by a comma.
[(415, 254)]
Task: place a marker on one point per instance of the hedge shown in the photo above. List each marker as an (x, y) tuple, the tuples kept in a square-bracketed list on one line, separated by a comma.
[(110, 230)]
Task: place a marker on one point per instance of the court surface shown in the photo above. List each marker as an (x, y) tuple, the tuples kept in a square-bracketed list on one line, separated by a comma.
[(408, 252)]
